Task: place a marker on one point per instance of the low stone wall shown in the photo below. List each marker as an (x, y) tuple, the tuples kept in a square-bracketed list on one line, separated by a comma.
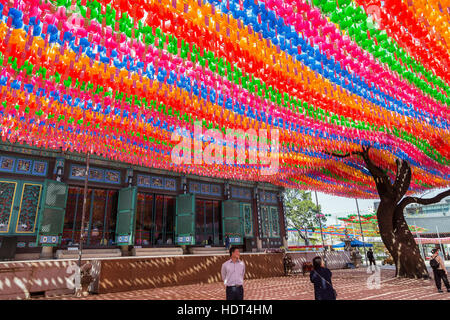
[(21, 280), (144, 273), (335, 259), (18, 280)]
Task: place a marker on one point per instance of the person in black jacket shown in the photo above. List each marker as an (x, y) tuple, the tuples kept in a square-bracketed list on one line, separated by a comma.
[(321, 277), (370, 257), (440, 271)]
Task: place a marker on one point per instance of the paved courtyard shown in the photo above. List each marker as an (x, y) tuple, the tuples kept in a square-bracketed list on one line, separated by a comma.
[(350, 285)]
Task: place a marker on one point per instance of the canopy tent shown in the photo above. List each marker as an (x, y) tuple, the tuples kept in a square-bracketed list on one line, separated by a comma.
[(354, 243), (137, 81)]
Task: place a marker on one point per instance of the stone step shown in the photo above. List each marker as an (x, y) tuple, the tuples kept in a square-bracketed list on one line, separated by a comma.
[(157, 251), (204, 250), (88, 253), (27, 256)]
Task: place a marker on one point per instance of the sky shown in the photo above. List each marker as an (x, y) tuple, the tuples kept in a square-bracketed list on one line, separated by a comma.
[(341, 207)]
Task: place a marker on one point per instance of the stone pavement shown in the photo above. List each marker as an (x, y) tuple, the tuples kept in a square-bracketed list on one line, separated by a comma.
[(350, 285)]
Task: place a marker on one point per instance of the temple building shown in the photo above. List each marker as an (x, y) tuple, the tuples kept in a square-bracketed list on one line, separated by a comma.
[(41, 205)]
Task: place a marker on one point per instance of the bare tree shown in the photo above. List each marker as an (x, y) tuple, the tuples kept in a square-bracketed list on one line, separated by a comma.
[(394, 230)]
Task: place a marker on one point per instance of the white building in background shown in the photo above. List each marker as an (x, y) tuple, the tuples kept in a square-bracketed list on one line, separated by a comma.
[(439, 209), (429, 216), (435, 218), (375, 205), (373, 239)]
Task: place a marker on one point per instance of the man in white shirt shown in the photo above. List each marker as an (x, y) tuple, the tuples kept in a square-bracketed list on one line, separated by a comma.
[(233, 272)]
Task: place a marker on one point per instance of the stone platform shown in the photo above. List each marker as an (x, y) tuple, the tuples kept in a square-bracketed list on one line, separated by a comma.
[(22, 280), (46, 278), (143, 273), (351, 284)]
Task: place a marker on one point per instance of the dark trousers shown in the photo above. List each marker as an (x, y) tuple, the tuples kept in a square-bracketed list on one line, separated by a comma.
[(235, 293), (438, 276), (372, 261)]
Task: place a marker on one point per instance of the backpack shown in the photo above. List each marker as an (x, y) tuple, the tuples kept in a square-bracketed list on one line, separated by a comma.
[(334, 291), (434, 264)]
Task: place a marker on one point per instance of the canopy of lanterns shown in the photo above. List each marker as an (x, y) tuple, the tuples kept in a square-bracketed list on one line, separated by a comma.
[(118, 78)]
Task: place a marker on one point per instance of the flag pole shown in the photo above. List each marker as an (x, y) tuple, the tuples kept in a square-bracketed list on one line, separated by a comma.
[(321, 233), (362, 233), (440, 243), (422, 253), (80, 246)]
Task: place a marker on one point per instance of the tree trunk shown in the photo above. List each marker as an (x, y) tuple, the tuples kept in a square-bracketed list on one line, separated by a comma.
[(304, 237), (409, 262), (384, 213)]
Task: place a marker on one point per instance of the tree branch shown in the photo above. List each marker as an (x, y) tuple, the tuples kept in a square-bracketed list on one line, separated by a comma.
[(398, 219), (343, 155), (382, 181), (409, 200), (303, 236), (403, 178), (376, 171)]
